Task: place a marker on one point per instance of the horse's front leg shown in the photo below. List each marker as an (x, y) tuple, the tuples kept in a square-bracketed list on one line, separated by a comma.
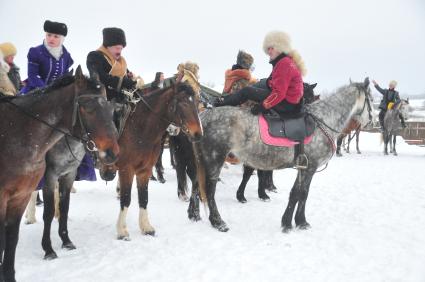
[(126, 176), (262, 182), (193, 210), (293, 199), (394, 141), (142, 189), (338, 145), (300, 220), (357, 141), (14, 212), (247, 172), (214, 217), (348, 143), (48, 214), (385, 143), (65, 186)]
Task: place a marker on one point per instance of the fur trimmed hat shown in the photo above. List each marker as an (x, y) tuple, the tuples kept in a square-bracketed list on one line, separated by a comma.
[(8, 49), (279, 40), (393, 83), (244, 60), (55, 27), (113, 36)]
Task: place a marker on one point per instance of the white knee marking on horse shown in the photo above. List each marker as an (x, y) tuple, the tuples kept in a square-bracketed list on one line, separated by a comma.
[(30, 214), (121, 224), (144, 224)]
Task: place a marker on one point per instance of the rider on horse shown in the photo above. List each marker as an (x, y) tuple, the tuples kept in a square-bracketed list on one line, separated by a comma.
[(283, 90), (9, 52), (390, 95)]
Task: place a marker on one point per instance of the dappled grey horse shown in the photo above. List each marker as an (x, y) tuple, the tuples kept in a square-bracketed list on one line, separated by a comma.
[(392, 124), (233, 129)]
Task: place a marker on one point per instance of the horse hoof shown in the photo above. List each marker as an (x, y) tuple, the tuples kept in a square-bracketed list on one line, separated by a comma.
[(272, 189), (124, 238), (161, 180), (183, 197), (264, 198), (150, 233), (338, 154), (304, 226), (286, 229), (195, 218), (50, 256), (69, 246), (28, 221), (222, 227), (358, 152), (241, 198)]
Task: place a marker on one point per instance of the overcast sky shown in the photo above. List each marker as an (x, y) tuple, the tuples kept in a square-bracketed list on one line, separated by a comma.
[(337, 39)]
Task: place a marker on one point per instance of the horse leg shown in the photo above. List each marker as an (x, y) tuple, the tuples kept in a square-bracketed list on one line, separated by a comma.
[(268, 181), (394, 141), (193, 210), (15, 210), (294, 196), (240, 194), (48, 214), (126, 180), (338, 145), (300, 220), (214, 217), (142, 189), (65, 186), (348, 143), (181, 165), (385, 144), (357, 141), (30, 213), (262, 181), (3, 205), (158, 166)]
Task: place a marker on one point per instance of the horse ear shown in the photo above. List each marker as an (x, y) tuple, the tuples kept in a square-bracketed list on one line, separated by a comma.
[(366, 82), (79, 73), (312, 86)]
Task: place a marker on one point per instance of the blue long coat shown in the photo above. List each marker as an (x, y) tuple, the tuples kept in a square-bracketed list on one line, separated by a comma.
[(43, 68)]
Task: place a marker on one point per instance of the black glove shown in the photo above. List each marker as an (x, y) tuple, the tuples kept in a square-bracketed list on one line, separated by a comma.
[(257, 108)]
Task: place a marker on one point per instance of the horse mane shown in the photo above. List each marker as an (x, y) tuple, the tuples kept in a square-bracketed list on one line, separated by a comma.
[(181, 86)]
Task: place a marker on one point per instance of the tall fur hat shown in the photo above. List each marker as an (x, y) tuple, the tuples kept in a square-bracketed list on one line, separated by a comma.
[(113, 36), (244, 60), (393, 83), (55, 27), (8, 49), (279, 40)]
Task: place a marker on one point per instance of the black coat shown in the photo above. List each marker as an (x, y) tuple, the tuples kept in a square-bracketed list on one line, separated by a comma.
[(96, 62), (389, 95), (15, 77)]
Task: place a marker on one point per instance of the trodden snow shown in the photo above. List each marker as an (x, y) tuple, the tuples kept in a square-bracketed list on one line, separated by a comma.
[(367, 213)]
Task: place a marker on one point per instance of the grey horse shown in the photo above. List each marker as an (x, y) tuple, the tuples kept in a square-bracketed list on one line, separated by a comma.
[(392, 124), (233, 129)]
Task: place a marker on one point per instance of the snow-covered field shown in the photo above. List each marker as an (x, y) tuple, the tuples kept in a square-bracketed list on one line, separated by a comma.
[(367, 214)]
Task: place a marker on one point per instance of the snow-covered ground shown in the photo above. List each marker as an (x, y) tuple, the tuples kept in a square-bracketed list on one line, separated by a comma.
[(367, 214)]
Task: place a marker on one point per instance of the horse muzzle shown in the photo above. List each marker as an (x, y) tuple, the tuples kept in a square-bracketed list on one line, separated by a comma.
[(108, 156)]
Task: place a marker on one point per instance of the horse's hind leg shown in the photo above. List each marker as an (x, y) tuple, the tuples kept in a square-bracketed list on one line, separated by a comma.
[(48, 213), (181, 165), (338, 145), (65, 186), (240, 194), (193, 210), (214, 217), (30, 213), (300, 220), (348, 143), (268, 181), (357, 141), (126, 176), (142, 189), (158, 166), (262, 181), (394, 141)]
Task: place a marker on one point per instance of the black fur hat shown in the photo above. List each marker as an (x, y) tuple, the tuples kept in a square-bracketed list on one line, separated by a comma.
[(55, 27), (244, 60), (113, 36)]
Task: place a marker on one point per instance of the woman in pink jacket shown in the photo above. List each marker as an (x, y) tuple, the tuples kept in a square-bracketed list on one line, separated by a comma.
[(283, 90)]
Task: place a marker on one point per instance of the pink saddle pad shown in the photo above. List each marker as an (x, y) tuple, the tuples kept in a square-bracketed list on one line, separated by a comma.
[(276, 141)]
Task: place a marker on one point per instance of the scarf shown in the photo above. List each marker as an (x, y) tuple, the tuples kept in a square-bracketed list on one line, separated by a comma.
[(118, 67), (56, 52)]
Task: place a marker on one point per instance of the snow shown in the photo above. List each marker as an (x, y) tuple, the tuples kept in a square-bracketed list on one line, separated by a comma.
[(366, 212)]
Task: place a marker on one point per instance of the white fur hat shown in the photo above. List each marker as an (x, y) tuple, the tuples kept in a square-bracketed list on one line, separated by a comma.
[(393, 83), (279, 40)]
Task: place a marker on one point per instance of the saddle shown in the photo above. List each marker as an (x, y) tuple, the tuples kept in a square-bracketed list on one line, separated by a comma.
[(295, 127)]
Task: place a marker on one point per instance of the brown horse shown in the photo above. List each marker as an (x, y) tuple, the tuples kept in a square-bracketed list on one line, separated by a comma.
[(73, 106), (353, 125), (140, 145)]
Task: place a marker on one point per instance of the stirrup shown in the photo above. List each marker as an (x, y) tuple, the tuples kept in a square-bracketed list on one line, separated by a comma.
[(301, 162)]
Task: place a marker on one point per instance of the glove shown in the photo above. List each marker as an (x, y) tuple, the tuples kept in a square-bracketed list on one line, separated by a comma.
[(257, 109), (139, 83)]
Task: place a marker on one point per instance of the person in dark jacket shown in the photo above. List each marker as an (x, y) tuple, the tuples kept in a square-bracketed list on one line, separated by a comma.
[(158, 83), (9, 52), (50, 60), (283, 90), (111, 66), (389, 95)]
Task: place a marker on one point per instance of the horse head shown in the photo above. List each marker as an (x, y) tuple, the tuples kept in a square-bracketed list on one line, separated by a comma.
[(183, 111), (404, 108), (95, 117), (363, 109)]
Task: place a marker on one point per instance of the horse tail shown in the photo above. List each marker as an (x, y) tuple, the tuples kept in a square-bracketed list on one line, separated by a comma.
[(200, 171)]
